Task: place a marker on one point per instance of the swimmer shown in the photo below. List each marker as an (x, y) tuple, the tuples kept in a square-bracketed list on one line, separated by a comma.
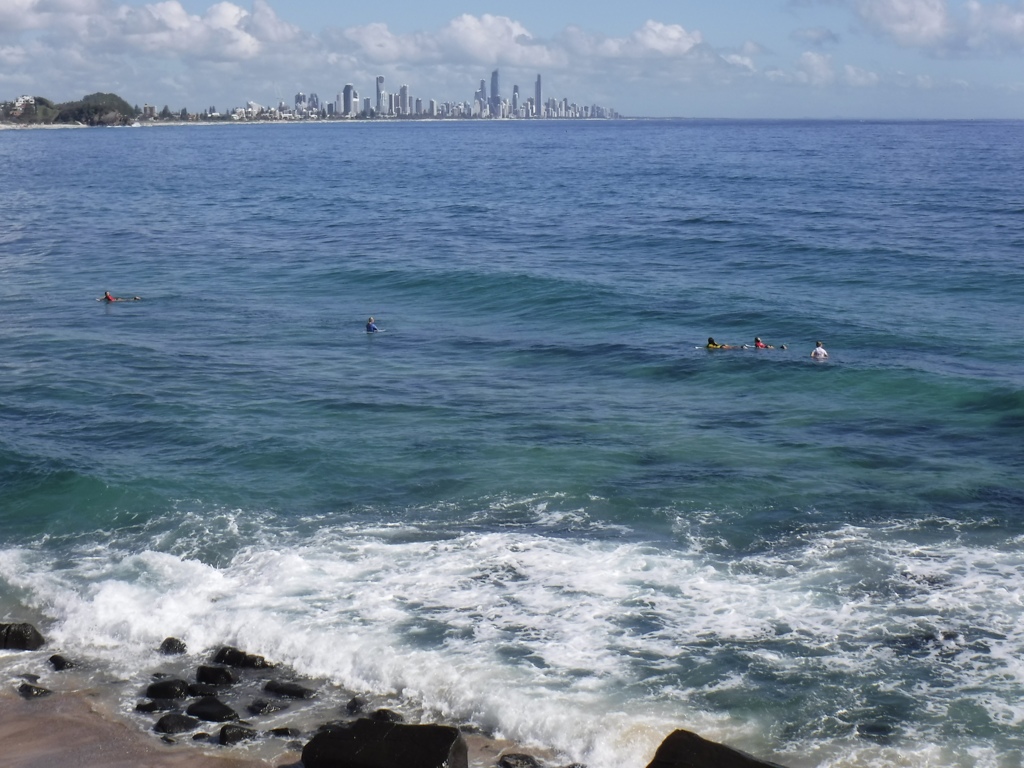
[(371, 327), (819, 353)]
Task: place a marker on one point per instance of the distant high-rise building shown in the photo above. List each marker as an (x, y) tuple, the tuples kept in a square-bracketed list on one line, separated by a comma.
[(300, 101), (349, 100), (515, 100), (403, 99), (494, 102), (537, 103), (381, 101), (366, 106)]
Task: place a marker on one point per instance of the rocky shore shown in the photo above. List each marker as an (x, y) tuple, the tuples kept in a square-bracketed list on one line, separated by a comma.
[(227, 713)]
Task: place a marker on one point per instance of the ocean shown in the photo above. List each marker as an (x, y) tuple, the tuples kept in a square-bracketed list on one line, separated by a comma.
[(534, 504)]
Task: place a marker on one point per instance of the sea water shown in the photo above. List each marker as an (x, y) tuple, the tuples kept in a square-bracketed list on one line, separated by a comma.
[(534, 503)]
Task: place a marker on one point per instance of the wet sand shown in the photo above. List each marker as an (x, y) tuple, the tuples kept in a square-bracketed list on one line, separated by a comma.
[(73, 730)]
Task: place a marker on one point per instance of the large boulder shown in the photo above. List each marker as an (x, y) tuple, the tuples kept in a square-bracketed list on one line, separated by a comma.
[(176, 723), (172, 646), (212, 710), (170, 688), (684, 749), (374, 744), (215, 675), (235, 734), (232, 657), (288, 690), (20, 637)]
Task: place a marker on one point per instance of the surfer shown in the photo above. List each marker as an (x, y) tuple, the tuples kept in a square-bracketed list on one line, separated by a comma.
[(108, 298), (713, 345), (371, 327), (819, 353), (761, 345)]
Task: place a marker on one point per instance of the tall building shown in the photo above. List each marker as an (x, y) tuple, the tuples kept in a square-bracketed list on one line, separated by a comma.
[(349, 100), (381, 101), (403, 99), (538, 104), (515, 100), (494, 102)]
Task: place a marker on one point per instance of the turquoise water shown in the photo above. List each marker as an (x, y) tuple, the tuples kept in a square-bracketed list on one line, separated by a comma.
[(535, 503)]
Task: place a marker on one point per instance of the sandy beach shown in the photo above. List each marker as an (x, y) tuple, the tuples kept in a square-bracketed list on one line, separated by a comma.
[(75, 730)]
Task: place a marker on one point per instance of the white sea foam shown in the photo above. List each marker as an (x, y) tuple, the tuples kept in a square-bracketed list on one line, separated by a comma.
[(596, 648)]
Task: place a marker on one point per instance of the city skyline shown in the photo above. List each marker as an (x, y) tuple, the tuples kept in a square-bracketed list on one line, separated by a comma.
[(486, 104), (651, 58)]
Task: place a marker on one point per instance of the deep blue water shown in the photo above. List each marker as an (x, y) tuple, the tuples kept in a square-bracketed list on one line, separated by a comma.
[(535, 503)]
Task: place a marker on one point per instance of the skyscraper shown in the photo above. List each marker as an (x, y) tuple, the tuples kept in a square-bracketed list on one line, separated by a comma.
[(403, 100), (494, 102), (537, 103), (349, 99), (381, 101)]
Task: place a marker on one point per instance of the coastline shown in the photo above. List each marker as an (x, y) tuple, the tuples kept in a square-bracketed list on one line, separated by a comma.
[(79, 730), (75, 729)]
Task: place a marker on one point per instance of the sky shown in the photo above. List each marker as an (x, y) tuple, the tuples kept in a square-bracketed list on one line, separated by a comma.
[(862, 59)]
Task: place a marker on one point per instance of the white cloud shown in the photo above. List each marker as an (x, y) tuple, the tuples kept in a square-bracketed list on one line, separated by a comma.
[(815, 69), (860, 78), (908, 22), (997, 25)]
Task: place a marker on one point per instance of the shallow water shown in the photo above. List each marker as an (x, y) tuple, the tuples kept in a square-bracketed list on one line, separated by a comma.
[(534, 503)]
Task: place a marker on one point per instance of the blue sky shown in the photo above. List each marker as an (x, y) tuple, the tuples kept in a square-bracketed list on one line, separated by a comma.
[(729, 58)]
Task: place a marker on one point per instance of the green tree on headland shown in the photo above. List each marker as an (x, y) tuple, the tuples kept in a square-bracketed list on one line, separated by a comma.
[(96, 109)]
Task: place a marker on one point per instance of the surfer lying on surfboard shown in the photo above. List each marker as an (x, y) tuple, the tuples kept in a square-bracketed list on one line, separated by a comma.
[(713, 345), (108, 298), (761, 345)]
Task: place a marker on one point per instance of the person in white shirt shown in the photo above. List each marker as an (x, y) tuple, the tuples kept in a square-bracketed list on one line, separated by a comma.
[(819, 353)]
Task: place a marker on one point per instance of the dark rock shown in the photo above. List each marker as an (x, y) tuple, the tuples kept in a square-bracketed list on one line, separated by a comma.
[(265, 707), (233, 734), (30, 691), (157, 705), (289, 690), (20, 637), (386, 716), (30, 677), (518, 761), (170, 688), (200, 736), (203, 689), (176, 723), (233, 657), (216, 675), (334, 725), (371, 744), (683, 749), (212, 710), (356, 705), (285, 733), (59, 663), (172, 646)]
